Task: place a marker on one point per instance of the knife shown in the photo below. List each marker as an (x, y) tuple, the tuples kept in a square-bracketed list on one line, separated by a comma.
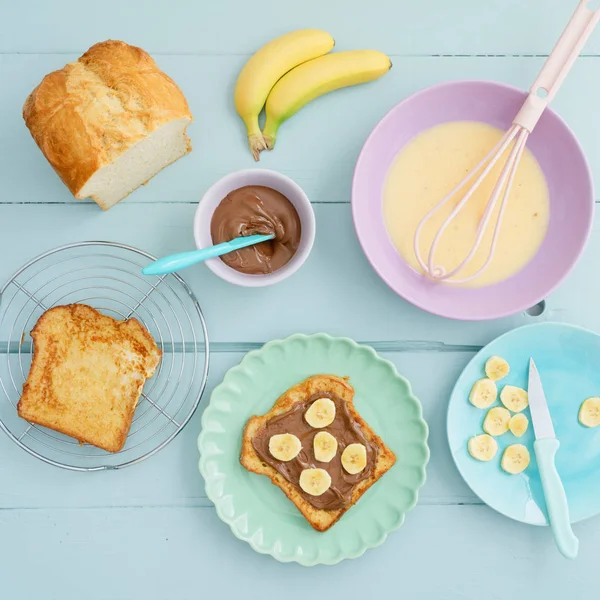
[(545, 447)]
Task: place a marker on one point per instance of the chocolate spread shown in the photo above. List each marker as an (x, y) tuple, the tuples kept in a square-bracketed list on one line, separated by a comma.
[(256, 209), (346, 431)]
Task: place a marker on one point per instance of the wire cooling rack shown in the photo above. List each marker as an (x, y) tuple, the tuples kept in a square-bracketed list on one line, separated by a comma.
[(106, 276)]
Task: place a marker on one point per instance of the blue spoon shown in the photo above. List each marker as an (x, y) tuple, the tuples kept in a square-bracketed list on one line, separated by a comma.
[(176, 262)]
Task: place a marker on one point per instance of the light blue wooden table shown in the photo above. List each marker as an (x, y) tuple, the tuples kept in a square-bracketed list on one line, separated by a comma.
[(149, 532)]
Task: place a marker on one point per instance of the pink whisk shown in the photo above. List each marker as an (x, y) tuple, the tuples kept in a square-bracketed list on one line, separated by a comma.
[(542, 91)]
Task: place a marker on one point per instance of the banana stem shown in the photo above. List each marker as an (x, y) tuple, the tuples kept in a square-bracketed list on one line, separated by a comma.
[(270, 133), (255, 138)]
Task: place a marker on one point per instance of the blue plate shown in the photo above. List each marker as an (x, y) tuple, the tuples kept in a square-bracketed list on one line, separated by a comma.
[(568, 359)]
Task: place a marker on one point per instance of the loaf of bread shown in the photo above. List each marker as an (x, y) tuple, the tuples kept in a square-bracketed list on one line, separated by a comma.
[(109, 121)]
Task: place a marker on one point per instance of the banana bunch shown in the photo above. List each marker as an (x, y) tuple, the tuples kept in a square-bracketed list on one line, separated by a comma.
[(290, 71)]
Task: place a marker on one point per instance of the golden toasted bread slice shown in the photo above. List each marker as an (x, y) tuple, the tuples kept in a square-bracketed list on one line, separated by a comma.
[(87, 374), (319, 519)]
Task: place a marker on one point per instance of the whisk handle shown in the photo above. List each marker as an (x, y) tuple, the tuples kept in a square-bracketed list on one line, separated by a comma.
[(558, 64)]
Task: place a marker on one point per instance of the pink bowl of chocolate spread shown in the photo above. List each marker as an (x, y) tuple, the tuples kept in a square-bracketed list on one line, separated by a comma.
[(256, 201)]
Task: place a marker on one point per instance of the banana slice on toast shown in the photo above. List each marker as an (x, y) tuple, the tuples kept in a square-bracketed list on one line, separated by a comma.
[(284, 446), (325, 446), (320, 413), (315, 481), (354, 458)]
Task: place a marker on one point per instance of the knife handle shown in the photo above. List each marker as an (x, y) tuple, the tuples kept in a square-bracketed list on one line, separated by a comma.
[(556, 499)]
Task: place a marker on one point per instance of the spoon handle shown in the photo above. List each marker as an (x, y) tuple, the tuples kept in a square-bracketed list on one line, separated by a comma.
[(176, 262)]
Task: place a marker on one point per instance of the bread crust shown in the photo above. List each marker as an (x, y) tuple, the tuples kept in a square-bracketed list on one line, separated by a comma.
[(319, 519), (87, 374), (84, 116)]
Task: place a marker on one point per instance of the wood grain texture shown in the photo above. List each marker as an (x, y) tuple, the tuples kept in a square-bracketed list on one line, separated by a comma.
[(329, 131), (236, 27), (171, 477), (149, 531), (440, 553), (345, 296)]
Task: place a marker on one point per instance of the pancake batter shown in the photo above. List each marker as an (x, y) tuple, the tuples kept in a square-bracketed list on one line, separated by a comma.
[(429, 167)]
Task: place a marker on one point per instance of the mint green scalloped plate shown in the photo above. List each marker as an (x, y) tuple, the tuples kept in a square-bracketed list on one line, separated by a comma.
[(257, 511)]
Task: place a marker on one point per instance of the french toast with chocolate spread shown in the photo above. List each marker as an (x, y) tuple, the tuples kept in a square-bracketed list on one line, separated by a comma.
[(354, 459)]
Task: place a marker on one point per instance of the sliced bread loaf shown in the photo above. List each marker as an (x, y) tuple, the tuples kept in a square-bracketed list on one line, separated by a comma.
[(109, 121)]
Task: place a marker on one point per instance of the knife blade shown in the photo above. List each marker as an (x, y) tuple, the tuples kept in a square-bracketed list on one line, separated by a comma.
[(540, 414), (545, 448)]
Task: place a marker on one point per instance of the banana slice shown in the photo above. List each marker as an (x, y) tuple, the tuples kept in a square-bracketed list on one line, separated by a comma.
[(320, 413), (589, 413), (496, 421), (315, 481), (515, 459), (354, 458), (496, 368), (483, 447), (325, 446), (483, 393), (284, 446), (514, 398), (518, 424)]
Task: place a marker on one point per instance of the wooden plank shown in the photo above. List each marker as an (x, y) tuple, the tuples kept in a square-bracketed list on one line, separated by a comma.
[(36, 485), (318, 147), (441, 552), (336, 291), (230, 27), (149, 531)]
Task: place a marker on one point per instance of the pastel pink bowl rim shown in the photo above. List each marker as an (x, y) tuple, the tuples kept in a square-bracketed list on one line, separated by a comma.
[(255, 176), (495, 103)]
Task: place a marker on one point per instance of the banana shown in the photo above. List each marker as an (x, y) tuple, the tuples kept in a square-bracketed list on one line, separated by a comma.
[(284, 446), (265, 67), (483, 447), (514, 398), (518, 424), (325, 446), (483, 393), (496, 421), (315, 481), (515, 459), (496, 368), (589, 413), (317, 77), (354, 458), (320, 413)]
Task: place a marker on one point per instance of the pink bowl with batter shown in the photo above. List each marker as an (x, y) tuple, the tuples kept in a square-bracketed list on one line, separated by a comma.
[(557, 151)]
